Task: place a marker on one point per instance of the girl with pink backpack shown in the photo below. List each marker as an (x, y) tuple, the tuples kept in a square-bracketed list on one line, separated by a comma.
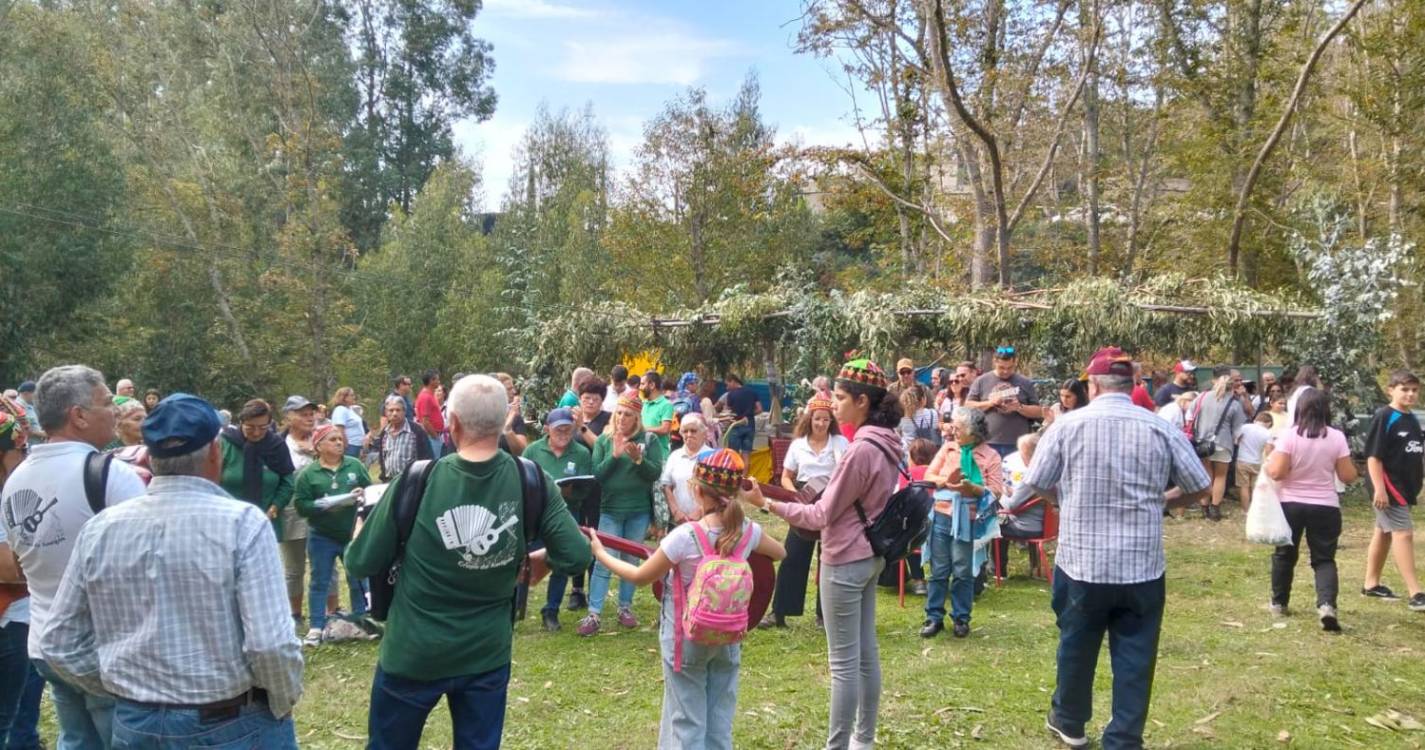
[(705, 609)]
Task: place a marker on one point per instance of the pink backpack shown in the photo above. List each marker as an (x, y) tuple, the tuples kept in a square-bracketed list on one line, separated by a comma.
[(713, 611)]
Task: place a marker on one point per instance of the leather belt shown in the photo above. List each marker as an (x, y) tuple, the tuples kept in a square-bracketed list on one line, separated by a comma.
[(228, 708)]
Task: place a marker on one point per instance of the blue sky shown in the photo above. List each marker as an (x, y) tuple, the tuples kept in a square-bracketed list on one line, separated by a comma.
[(628, 57)]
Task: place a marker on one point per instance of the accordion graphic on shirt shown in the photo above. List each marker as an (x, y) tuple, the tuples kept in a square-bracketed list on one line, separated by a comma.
[(25, 512), (476, 531)]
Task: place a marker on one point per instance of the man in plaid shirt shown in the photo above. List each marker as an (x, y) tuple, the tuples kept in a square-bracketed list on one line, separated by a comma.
[(1109, 463), (174, 604)]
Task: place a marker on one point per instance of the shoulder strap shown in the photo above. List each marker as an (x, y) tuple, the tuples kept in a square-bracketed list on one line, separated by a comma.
[(1222, 418), (704, 543), (408, 502), (533, 491), (96, 480), (742, 544), (894, 459)]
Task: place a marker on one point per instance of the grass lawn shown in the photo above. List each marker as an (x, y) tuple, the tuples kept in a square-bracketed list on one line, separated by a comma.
[(1228, 676)]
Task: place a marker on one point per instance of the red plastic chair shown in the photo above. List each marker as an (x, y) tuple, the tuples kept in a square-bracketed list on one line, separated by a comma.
[(1051, 533), (905, 566)]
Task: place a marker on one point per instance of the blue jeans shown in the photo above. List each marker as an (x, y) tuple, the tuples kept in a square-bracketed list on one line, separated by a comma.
[(951, 570), (21, 688), (323, 552), (1004, 449), (85, 721), (139, 727), (399, 707), (437, 447), (354, 451), (630, 526), (699, 702), (741, 438), (1132, 615)]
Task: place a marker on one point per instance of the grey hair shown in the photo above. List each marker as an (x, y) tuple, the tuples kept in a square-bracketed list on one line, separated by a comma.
[(1113, 383), (580, 376), (694, 418), (225, 417), (977, 422), (134, 404), (186, 465), (1027, 440), (63, 388), (480, 404), (393, 399)]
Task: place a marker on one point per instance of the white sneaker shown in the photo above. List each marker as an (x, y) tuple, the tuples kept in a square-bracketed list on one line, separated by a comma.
[(314, 638)]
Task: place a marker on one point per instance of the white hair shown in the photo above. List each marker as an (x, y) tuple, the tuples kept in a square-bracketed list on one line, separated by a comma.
[(694, 418), (63, 388), (123, 382), (1027, 440), (479, 403), (132, 404), (1113, 383)]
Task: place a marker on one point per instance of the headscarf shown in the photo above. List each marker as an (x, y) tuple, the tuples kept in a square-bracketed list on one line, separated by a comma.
[(683, 382)]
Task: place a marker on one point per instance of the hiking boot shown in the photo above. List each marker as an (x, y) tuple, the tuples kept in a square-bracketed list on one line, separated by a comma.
[(1378, 592), (551, 621), (919, 588), (931, 628), (1329, 623), (1214, 513), (578, 601), (589, 625), (962, 628), (626, 618), (1072, 739), (1206, 512), (314, 638), (1417, 602)]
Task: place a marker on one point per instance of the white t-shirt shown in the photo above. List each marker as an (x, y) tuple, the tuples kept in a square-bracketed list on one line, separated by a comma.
[(1013, 469), (1254, 439), (345, 419), (1291, 400), (611, 395), (1173, 414), (43, 509), (808, 464), (681, 546), (677, 473), (294, 525), (19, 610)]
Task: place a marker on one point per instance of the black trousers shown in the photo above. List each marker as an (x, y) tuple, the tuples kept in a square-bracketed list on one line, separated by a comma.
[(790, 594), (1321, 524)]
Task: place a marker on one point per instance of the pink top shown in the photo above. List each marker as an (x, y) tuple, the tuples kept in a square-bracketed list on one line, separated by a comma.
[(1312, 477), (865, 474)]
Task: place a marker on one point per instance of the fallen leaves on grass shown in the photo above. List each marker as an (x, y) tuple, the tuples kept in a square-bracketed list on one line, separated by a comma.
[(1395, 721)]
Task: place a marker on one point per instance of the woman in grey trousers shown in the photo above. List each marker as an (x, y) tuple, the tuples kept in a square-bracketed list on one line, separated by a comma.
[(868, 472)]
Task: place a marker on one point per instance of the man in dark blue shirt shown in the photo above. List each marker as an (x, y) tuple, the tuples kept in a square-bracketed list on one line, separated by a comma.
[(745, 406)]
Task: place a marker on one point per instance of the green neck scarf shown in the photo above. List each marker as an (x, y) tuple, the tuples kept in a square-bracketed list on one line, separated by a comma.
[(968, 467)]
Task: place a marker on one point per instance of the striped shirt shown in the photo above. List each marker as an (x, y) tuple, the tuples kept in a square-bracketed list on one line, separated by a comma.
[(397, 450), (177, 597), (1111, 462)]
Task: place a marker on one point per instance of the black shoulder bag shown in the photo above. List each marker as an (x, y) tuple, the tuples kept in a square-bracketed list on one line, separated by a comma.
[(901, 524)]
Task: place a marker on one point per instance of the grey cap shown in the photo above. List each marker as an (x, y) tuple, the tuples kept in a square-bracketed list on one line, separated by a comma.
[(296, 403)]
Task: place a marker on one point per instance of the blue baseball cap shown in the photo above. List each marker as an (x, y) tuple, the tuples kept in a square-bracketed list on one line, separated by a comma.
[(179, 425), (27, 387), (558, 418)]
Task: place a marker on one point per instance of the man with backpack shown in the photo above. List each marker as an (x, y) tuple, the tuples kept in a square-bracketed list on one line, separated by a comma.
[(46, 502), (458, 553)]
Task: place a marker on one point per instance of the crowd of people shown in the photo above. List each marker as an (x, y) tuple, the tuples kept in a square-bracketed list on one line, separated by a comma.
[(163, 563)]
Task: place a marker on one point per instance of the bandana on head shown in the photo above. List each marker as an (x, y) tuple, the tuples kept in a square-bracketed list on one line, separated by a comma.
[(632, 402), (821, 404), (863, 372), (320, 434), (721, 470)]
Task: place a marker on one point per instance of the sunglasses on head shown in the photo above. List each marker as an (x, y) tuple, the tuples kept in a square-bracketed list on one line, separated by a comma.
[(906, 370), (1004, 351)]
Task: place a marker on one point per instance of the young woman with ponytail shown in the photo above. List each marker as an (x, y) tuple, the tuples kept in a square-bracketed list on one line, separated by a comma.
[(700, 684)]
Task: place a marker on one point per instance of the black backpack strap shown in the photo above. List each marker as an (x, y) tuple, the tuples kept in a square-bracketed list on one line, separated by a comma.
[(533, 493), (408, 502), (96, 480), (894, 459)]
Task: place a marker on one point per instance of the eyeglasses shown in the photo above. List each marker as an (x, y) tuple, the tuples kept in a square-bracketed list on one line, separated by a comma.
[(907, 371), (1004, 351)]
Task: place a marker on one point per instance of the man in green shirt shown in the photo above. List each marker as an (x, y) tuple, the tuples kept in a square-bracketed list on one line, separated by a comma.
[(449, 630), (561, 456), (657, 409)]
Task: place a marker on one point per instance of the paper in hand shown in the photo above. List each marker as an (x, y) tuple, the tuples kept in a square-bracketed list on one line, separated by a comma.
[(336, 501)]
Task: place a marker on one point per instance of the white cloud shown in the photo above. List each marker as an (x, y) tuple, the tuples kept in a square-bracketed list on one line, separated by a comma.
[(657, 54), (538, 9), (492, 144)]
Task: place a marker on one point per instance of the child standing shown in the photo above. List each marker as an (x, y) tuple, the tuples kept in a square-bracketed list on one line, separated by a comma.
[(700, 698), (1251, 449), (1394, 450), (333, 473)]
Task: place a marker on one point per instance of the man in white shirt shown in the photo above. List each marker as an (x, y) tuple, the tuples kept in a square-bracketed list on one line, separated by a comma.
[(173, 604), (43, 508)]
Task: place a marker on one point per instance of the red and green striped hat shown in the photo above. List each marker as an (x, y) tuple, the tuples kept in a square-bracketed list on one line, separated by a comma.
[(632, 402), (821, 404), (863, 372), (721, 470)]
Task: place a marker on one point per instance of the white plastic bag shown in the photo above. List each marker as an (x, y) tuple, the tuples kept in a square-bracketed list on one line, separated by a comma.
[(1266, 523)]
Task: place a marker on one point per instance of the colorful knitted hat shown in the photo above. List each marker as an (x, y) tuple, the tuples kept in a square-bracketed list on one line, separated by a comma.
[(823, 404), (721, 470), (632, 402), (863, 372)]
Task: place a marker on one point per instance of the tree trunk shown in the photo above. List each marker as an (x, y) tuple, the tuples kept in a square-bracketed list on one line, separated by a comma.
[(1088, 22)]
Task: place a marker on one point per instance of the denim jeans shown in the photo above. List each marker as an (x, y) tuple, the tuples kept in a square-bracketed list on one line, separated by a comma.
[(741, 438), (699, 702), (630, 526), (354, 451), (437, 447), (85, 721), (21, 688), (323, 553), (400, 706), (1132, 615), (1321, 525), (139, 727), (952, 570), (848, 595)]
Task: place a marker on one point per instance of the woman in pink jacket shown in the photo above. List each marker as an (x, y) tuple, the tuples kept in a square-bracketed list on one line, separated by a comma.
[(868, 473)]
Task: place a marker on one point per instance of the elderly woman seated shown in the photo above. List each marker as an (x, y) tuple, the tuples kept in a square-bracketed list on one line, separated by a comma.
[(1021, 512), (968, 472)]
